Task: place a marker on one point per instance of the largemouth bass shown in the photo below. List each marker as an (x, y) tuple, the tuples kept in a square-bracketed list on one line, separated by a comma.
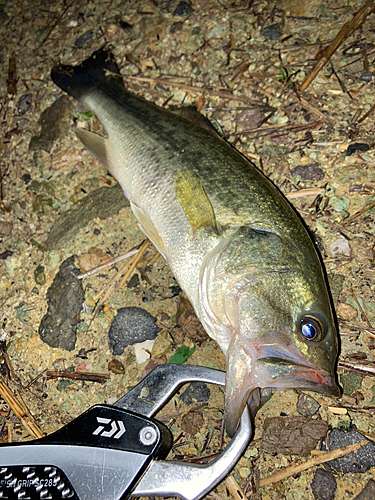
[(235, 245)]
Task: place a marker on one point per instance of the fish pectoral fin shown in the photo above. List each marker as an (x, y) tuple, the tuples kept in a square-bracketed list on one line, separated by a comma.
[(195, 202), (96, 144), (148, 227), (238, 386)]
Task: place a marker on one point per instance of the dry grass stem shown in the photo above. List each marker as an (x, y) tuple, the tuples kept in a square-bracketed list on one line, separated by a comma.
[(302, 193), (133, 265), (154, 258), (111, 285), (111, 262), (20, 410)]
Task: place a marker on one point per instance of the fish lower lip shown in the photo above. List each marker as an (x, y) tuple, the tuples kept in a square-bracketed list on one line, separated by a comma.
[(299, 376), (324, 383), (329, 390)]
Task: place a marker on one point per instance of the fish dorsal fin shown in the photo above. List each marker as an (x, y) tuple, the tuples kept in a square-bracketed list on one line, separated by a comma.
[(148, 228), (96, 144), (194, 202), (191, 114)]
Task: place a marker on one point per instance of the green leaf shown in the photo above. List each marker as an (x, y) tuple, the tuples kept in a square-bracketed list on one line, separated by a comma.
[(284, 75), (181, 355), (86, 116)]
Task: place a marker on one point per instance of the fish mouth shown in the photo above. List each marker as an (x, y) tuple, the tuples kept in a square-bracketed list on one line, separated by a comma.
[(276, 363), (284, 374), (281, 365)]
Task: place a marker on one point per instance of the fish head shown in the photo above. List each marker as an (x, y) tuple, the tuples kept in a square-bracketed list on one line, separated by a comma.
[(277, 310)]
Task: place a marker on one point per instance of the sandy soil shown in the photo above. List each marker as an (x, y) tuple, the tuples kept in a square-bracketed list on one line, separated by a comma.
[(249, 58)]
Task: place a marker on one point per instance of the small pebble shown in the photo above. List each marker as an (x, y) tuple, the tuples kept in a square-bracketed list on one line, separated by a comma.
[(164, 317), (65, 296), (6, 228), (273, 31), (134, 281), (346, 311), (81, 40), (132, 325), (183, 9), (306, 405), (366, 77), (176, 27), (39, 275), (161, 346), (323, 485), (24, 104), (249, 118), (192, 422), (358, 462), (126, 26), (142, 350), (111, 30), (340, 248), (368, 492), (244, 472), (196, 390), (59, 364), (115, 366), (357, 146), (310, 172), (351, 382)]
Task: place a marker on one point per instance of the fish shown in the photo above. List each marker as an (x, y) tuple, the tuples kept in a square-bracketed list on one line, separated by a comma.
[(237, 248)]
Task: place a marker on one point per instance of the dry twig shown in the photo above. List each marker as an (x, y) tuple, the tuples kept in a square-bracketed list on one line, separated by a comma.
[(273, 128), (313, 462), (360, 212), (366, 115), (58, 20), (234, 489), (2, 203), (86, 376), (347, 30), (368, 369), (12, 76), (225, 94)]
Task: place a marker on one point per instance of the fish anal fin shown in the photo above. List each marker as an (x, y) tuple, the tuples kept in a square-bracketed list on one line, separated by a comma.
[(195, 202), (96, 144), (148, 227)]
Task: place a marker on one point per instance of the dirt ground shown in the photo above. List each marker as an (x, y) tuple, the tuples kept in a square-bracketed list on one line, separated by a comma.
[(241, 63)]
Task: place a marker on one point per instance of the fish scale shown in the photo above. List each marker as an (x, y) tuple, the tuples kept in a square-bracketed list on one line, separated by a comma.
[(235, 245)]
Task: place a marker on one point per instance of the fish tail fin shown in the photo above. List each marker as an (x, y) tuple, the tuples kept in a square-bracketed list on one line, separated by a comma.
[(75, 80)]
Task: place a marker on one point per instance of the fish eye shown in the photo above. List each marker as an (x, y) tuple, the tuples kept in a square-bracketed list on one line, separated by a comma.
[(311, 328)]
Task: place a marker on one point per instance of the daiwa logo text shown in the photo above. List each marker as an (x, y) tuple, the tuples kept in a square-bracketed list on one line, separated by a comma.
[(116, 431)]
